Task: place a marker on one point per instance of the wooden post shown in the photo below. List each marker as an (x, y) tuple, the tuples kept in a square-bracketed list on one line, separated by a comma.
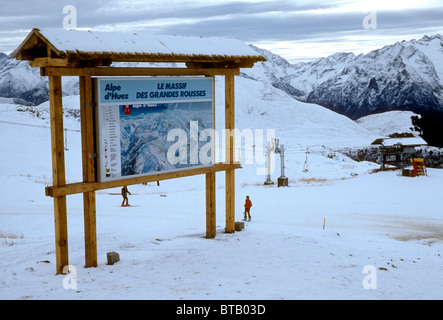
[(58, 172), (230, 145), (210, 205), (88, 164), (211, 188)]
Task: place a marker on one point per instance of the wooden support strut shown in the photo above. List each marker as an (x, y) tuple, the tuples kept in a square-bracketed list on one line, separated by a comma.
[(210, 205), (89, 204), (210, 194), (230, 145), (58, 173), (122, 71), (82, 187)]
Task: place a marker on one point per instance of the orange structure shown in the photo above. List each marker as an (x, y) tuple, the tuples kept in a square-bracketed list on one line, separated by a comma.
[(419, 167)]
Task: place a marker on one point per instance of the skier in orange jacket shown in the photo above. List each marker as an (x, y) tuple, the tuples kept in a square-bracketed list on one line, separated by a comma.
[(248, 205), (125, 192)]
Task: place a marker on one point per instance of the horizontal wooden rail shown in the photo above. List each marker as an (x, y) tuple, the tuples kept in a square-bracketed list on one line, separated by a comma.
[(121, 71), (82, 187)]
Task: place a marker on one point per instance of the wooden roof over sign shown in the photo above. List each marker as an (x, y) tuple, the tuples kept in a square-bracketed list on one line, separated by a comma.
[(401, 141), (61, 47)]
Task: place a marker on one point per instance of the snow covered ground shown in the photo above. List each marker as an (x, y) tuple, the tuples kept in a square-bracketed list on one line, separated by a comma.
[(378, 225)]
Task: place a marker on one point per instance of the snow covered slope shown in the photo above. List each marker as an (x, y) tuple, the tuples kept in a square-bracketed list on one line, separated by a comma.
[(261, 105), (389, 122), (374, 224)]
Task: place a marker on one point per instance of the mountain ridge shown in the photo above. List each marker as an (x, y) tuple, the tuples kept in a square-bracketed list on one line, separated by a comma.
[(407, 75)]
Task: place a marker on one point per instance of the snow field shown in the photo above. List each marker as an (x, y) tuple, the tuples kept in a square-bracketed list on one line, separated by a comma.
[(383, 220), (284, 253)]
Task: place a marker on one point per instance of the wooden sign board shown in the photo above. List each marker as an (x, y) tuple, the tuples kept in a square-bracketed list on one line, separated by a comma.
[(152, 125), (90, 54)]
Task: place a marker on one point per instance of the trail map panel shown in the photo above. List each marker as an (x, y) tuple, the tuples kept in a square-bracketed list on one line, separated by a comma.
[(153, 125)]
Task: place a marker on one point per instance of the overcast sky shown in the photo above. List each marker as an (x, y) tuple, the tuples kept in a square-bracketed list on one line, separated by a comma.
[(297, 30)]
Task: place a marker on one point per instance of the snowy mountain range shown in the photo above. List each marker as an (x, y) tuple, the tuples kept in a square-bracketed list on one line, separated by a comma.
[(24, 84), (407, 75)]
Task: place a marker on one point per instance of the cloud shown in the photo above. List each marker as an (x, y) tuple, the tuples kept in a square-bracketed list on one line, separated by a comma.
[(95, 14), (203, 18), (202, 10), (251, 21), (411, 19), (307, 25)]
